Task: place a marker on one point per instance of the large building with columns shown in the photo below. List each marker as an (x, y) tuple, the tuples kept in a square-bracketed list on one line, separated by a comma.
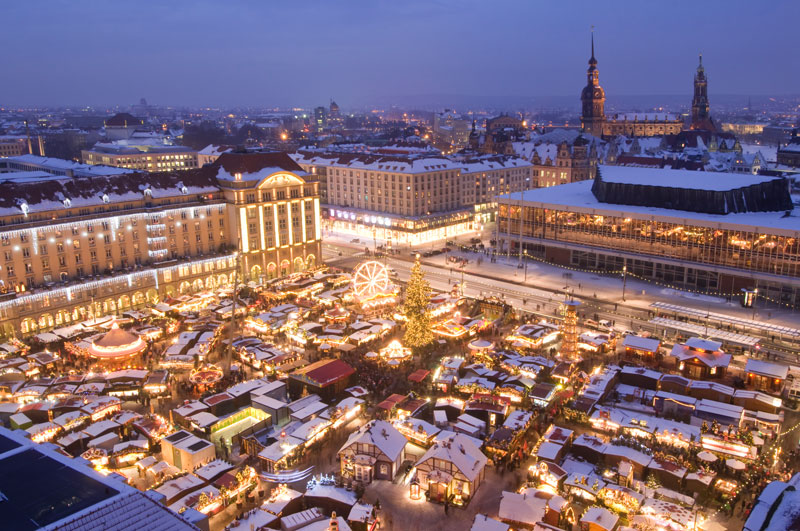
[(78, 247)]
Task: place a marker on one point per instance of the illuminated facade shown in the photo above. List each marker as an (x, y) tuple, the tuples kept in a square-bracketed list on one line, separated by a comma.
[(13, 146), (276, 210), (411, 199), (78, 248), (142, 158), (711, 252), (595, 121)]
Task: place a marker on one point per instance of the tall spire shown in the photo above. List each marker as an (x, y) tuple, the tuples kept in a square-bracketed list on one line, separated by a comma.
[(700, 64), (592, 60)]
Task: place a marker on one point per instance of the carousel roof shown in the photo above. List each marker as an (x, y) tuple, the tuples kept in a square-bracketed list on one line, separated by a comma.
[(116, 343)]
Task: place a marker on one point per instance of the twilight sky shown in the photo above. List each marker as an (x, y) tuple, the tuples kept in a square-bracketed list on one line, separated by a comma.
[(362, 52)]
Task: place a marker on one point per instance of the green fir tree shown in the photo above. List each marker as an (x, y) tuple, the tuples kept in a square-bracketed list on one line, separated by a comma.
[(418, 322)]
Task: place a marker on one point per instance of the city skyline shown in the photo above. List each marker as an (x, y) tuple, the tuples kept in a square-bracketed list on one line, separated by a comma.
[(413, 52)]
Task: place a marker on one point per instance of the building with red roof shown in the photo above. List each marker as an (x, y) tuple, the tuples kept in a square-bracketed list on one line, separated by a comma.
[(326, 378)]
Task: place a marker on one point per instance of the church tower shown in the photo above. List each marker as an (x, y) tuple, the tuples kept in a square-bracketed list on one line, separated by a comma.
[(700, 114), (593, 99)]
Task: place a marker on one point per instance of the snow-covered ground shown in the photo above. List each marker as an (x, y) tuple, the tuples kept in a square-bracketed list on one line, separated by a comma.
[(638, 293)]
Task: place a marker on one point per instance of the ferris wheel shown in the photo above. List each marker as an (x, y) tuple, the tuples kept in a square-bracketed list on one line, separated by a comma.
[(371, 279)]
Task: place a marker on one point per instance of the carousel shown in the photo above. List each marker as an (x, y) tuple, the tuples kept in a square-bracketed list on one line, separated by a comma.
[(481, 352), (116, 345), (395, 353), (206, 375), (337, 314)]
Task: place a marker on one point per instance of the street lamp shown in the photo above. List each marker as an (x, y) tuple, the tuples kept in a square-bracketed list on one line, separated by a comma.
[(624, 279), (755, 295)]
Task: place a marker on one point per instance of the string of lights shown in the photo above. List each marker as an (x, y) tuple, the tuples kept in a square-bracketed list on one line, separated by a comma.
[(615, 272)]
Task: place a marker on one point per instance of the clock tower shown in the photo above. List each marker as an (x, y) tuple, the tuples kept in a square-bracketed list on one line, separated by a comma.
[(593, 99)]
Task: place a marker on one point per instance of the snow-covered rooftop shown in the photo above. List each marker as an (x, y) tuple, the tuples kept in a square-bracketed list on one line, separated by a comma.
[(578, 197)]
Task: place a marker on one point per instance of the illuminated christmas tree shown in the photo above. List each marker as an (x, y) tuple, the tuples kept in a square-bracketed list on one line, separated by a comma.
[(418, 321)]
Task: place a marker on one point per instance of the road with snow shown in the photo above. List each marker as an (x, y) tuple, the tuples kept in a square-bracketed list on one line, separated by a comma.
[(546, 286)]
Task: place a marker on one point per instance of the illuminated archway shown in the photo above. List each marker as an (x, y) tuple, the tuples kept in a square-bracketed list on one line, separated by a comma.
[(255, 272), (272, 271), (152, 296), (211, 282), (124, 302), (284, 268), (63, 317), (299, 264), (197, 285), (46, 321), (184, 287), (311, 261), (222, 280), (109, 306), (28, 326), (138, 299)]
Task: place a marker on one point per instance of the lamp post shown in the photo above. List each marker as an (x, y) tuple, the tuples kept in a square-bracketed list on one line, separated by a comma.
[(755, 296), (624, 280)]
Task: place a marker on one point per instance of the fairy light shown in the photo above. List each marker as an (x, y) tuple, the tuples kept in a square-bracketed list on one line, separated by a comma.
[(71, 292), (616, 272)]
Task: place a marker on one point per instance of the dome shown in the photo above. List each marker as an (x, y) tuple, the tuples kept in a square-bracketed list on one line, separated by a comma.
[(116, 343), (115, 338)]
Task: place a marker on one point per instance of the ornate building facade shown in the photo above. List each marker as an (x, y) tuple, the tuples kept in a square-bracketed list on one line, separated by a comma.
[(594, 120), (76, 248)]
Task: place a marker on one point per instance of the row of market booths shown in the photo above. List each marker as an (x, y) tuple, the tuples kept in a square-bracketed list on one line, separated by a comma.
[(504, 373), (596, 471), (94, 427), (123, 383), (192, 346), (704, 359), (329, 507), (207, 486), (446, 465), (694, 401), (258, 416), (38, 405)]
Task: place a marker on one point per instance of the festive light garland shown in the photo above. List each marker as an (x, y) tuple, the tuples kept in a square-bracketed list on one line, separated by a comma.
[(614, 272)]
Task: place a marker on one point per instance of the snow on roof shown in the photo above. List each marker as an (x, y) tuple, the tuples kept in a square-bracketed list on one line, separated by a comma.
[(643, 116), (361, 512), (332, 492), (703, 344), (527, 508), (686, 179), (694, 350), (549, 451), (374, 162), (642, 372), (600, 517), (483, 523), (125, 512), (324, 525), (215, 468), (460, 451), (381, 434), (295, 521), (641, 343), (719, 408), (765, 368), (578, 197)]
